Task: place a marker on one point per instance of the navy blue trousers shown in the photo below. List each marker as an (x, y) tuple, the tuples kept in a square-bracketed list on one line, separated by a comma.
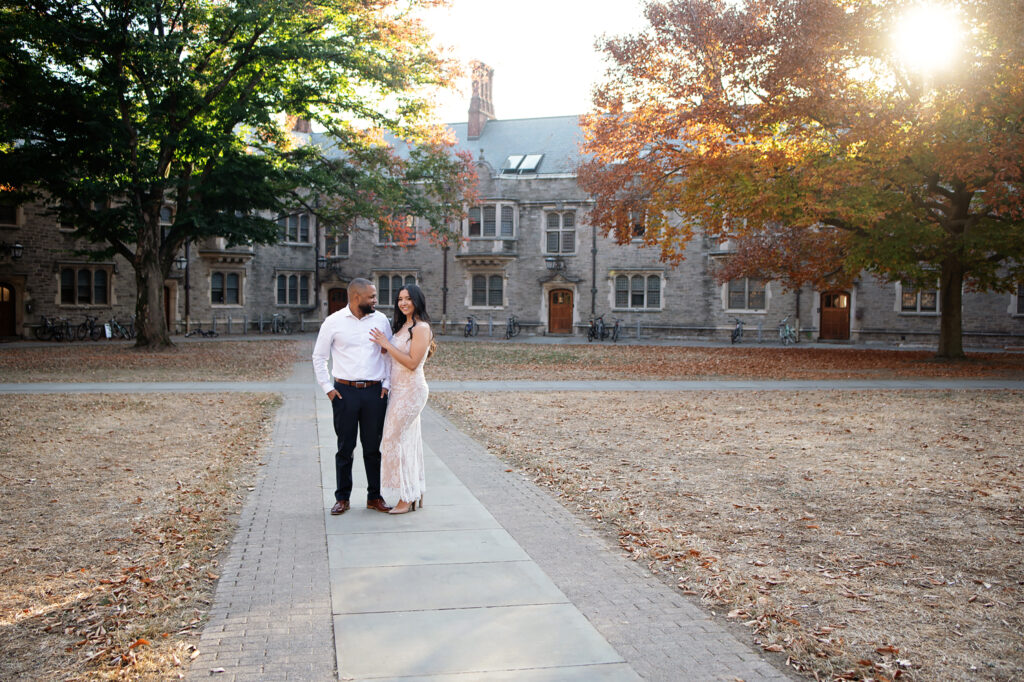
[(359, 411)]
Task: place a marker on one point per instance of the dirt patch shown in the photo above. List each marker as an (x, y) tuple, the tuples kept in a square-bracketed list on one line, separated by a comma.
[(867, 535), (456, 361), (201, 361), (115, 509)]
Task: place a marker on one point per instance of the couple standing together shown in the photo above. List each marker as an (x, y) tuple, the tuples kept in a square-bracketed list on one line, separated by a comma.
[(377, 391)]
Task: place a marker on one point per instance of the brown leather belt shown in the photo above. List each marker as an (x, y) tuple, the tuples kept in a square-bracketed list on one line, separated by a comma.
[(357, 384)]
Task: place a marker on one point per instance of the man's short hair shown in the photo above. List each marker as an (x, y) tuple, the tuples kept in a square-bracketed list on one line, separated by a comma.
[(359, 284)]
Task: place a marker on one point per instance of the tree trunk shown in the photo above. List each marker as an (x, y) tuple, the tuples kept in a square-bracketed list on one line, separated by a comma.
[(149, 280), (951, 282)]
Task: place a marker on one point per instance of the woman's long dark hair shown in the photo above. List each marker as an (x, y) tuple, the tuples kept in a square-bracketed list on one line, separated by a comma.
[(419, 304)]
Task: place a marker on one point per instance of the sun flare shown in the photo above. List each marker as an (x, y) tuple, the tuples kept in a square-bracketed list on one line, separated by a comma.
[(927, 37)]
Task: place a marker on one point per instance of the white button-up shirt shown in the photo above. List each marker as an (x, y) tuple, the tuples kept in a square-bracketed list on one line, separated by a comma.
[(354, 356)]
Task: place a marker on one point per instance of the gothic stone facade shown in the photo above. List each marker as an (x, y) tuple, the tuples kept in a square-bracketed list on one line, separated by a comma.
[(528, 251)]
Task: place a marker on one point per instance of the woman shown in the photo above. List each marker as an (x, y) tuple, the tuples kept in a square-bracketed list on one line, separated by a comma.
[(401, 447)]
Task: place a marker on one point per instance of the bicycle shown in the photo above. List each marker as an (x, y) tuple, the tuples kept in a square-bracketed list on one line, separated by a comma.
[(62, 330), (45, 330), (198, 330), (119, 331), (472, 328), (90, 328), (279, 324), (737, 332), (597, 329), (616, 330), (512, 327), (787, 334)]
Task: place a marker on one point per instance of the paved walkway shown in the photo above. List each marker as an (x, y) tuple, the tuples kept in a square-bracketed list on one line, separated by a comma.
[(493, 580)]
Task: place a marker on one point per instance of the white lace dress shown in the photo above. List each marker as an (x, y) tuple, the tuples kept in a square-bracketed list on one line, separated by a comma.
[(401, 447)]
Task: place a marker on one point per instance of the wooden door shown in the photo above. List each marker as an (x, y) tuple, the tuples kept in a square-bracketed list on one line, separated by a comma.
[(560, 311), (835, 315), (7, 321), (336, 300)]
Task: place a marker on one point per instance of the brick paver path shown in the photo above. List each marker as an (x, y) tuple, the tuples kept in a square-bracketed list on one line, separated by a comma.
[(271, 615)]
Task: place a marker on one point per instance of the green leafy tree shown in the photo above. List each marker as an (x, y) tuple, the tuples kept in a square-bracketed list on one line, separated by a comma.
[(804, 130), (112, 110)]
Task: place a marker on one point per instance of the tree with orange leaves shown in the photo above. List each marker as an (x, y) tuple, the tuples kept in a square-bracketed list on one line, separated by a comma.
[(806, 132)]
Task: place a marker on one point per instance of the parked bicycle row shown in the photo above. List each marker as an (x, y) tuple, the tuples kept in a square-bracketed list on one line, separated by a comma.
[(62, 329), (512, 327), (787, 334), (599, 331)]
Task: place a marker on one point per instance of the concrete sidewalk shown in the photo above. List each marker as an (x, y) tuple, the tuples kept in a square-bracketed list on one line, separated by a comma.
[(492, 580)]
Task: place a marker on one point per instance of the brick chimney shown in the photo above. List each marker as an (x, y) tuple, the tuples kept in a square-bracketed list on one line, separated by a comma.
[(481, 109), (302, 125)]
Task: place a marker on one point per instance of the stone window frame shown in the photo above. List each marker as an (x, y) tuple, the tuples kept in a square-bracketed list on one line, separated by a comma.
[(561, 230), (624, 297), (406, 276), (293, 288), (504, 213), (489, 291), (225, 274), (921, 308), (295, 237), (728, 291), (339, 239), (73, 290), (385, 239)]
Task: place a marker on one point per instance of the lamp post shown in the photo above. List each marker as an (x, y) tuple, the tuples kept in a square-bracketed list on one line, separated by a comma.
[(14, 250), (181, 262), (554, 263)]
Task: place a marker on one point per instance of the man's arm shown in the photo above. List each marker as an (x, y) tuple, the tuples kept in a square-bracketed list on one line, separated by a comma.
[(321, 352)]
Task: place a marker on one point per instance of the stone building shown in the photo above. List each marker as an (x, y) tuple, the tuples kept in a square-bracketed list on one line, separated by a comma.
[(528, 250)]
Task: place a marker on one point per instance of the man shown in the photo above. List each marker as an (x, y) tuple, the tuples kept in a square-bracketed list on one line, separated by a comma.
[(358, 390)]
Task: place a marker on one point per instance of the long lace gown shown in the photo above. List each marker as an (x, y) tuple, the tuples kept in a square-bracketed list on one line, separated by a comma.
[(401, 447)]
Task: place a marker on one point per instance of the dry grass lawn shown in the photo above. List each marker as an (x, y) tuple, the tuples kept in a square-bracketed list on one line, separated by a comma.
[(86, 361), (867, 535), (456, 361), (115, 509)]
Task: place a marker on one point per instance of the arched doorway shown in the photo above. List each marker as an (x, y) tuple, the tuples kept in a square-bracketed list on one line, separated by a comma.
[(8, 323), (560, 311), (835, 315), (337, 299)]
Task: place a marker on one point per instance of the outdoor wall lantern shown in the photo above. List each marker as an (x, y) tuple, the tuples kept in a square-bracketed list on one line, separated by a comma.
[(180, 262), (15, 251), (555, 263), (321, 262)]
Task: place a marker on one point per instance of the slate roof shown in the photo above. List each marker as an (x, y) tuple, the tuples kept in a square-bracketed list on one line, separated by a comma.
[(556, 137)]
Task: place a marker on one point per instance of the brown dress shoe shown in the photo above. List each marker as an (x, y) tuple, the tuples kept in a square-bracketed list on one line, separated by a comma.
[(340, 507), (379, 504)]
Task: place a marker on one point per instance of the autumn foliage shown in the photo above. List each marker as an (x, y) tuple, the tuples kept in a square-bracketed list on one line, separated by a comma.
[(795, 128)]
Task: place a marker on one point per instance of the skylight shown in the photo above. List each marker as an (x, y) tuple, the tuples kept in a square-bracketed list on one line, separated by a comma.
[(521, 163)]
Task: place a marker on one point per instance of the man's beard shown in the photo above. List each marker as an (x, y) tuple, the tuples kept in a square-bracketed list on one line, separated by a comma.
[(366, 308)]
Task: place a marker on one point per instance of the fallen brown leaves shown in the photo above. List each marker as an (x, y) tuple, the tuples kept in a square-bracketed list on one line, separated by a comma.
[(457, 361), (255, 360), (866, 535), (115, 509)]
